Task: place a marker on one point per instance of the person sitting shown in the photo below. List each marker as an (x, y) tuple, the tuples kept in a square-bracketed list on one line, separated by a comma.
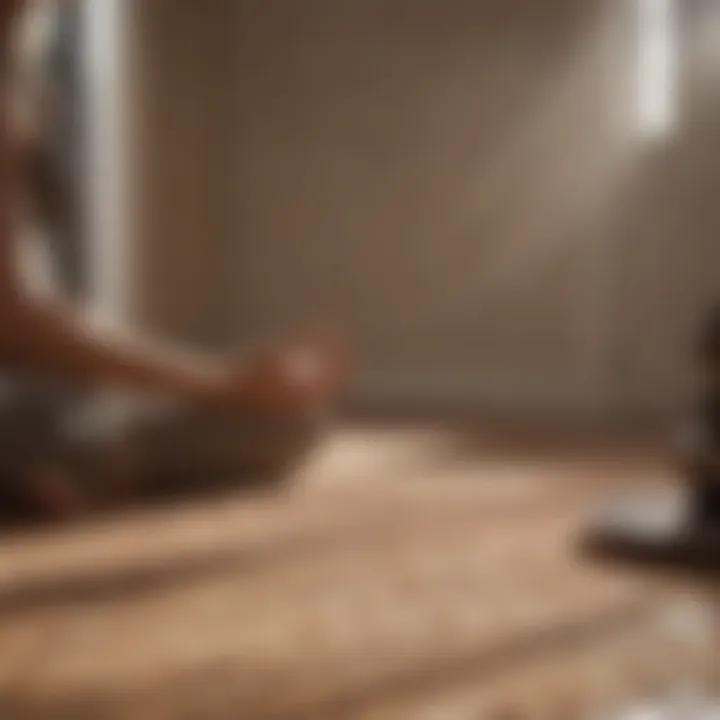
[(60, 341)]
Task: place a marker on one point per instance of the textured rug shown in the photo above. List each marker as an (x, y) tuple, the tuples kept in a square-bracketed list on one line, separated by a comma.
[(407, 575)]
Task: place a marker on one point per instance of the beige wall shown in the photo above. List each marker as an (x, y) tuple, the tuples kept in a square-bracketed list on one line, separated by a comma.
[(461, 184), (666, 225), (181, 53)]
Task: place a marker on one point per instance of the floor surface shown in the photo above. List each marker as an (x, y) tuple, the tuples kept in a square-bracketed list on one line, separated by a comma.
[(404, 573)]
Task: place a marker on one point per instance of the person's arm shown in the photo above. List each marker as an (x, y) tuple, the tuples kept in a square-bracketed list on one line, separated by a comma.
[(55, 340), (38, 337), (35, 335)]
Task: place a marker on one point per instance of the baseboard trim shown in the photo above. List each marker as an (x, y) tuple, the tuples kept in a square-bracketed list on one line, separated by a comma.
[(551, 402)]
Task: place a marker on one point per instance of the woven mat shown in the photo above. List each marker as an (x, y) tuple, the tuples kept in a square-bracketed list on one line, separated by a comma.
[(453, 597)]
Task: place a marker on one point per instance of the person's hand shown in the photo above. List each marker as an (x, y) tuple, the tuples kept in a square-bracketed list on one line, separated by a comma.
[(305, 372)]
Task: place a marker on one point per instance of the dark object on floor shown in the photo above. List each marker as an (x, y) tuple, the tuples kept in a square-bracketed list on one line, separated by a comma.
[(703, 458), (656, 530), (678, 528)]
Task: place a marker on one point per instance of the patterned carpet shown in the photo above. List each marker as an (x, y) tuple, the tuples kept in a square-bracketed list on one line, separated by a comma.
[(406, 574)]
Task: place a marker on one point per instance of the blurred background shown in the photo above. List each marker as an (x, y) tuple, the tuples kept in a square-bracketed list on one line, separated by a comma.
[(511, 210), (504, 207)]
